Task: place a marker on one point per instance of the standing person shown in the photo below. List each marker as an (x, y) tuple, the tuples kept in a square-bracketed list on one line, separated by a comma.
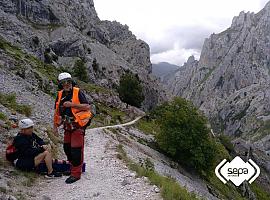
[(72, 110), (32, 150)]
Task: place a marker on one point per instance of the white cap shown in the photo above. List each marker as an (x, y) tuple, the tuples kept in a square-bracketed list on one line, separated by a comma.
[(63, 75), (25, 123)]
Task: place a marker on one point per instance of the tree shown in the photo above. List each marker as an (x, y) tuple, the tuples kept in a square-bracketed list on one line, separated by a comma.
[(184, 135), (80, 70), (130, 90)]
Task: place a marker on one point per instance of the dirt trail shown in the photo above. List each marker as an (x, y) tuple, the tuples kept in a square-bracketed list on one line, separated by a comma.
[(106, 177)]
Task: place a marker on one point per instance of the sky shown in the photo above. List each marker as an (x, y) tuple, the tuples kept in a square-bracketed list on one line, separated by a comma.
[(175, 29)]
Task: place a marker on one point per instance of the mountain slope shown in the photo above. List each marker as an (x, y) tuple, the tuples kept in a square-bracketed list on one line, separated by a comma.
[(230, 82), (71, 30), (162, 69)]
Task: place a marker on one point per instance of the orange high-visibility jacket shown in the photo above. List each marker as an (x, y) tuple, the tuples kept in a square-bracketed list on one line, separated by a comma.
[(82, 117)]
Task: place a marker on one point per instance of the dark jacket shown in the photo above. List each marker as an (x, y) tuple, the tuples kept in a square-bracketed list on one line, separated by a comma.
[(28, 146)]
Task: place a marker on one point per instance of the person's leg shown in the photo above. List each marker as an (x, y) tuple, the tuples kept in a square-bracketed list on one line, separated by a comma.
[(46, 156), (77, 148), (67, 145)]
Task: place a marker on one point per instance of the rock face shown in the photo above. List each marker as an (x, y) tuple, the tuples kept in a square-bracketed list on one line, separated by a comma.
[(71, 29), (230, 82)]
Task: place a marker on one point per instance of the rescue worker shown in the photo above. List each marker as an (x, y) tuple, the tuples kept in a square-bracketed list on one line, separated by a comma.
[(72, 110), (32, 150)]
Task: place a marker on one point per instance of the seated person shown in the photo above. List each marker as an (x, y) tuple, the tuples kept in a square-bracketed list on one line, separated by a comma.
[(32, 149)]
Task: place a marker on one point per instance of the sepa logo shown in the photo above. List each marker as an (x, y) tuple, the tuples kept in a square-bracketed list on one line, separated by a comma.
[(237, 171)]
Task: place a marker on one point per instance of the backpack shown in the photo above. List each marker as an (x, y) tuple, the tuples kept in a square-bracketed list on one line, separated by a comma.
[(11, 152)]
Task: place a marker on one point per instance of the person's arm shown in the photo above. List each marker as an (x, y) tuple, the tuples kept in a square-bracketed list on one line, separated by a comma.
[(25, 149), (77, 106), (83, 105), (38, 139), (41, 142)]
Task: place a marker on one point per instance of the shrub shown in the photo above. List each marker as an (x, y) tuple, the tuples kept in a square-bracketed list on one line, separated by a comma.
[(184, 135), (130, 90), (3, 116), (80, 70)]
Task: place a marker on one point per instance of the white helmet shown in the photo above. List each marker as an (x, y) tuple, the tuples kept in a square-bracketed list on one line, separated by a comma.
[(25, 123), (63, 76)]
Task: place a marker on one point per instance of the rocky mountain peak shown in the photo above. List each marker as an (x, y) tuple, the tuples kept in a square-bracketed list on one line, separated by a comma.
[(230, 82), (191, 59)]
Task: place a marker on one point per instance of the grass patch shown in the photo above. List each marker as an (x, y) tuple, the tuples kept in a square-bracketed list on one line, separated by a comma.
[(147, 126), (3, 190), (260, 193), (226, 142), (3, 116), (49, 27), (170, 189), (262, 131), (92, 88), (114, 114), (226, 191), (9, 101), (30, 178), (22, 58), (113, 130)]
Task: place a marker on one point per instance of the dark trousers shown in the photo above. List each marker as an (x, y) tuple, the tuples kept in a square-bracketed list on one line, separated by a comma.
[(74, 147)]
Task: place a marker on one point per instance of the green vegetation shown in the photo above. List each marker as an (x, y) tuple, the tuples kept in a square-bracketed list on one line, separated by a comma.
[(226, 191), (92, 88), (226, 142), (3, 190), (30, 178), (21, 58), (9, 101), (147, 126), (130, 90), (3, 116), (170, 189), (262, 131), (185, 137), (80, 70), (43, 71), (108, 115), (260, 193), (184, 118)]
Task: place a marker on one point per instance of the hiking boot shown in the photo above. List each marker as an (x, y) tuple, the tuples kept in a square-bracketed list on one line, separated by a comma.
[(71, 179), (53, 175)]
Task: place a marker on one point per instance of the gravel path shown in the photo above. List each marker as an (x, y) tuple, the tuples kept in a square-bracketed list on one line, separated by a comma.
[(106, 177)]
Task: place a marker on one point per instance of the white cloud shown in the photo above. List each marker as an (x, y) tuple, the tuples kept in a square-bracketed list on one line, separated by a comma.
[(176, 55), (167, 24)]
